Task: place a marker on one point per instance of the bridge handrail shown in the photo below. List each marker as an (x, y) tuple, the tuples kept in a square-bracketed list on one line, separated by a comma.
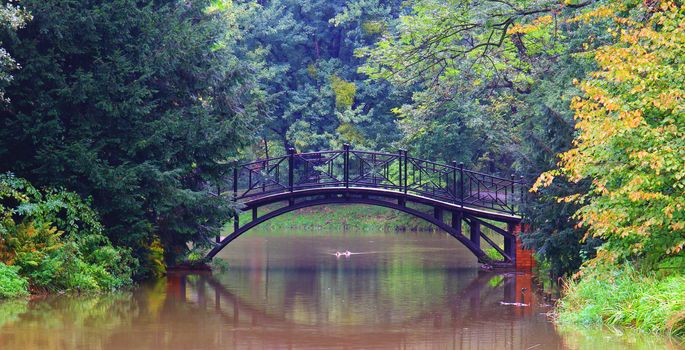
[(363, 168)]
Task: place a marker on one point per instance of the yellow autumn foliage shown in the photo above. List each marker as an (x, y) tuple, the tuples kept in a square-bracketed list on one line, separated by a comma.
[(631, 138)]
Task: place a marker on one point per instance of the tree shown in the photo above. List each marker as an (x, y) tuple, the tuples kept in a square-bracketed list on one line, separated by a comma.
[(492, 84), (314, 97), (630, 144), (136, 104), (12, 17)]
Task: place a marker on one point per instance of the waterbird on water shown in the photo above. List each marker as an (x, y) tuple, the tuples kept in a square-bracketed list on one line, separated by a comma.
[(345, 253)]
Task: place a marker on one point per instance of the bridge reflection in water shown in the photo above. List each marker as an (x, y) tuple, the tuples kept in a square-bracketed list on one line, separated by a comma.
[(485, 310)]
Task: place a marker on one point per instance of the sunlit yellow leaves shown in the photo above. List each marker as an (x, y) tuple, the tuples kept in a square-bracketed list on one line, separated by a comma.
[(544, 180), (527, 28), (601, 12), (670, 99), (630, 139)]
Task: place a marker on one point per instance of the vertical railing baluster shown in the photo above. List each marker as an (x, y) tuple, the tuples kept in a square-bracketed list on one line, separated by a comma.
[(401, 170), (265, 167), (513, 179), (478, 181), (249, 178), (522, 201), (346, 176), (236, 218), (277, 176), (361, 176), (454, 180), (421, 168), (461, 183), (291, 166), (506, 194), (373, 169), (406, 165)]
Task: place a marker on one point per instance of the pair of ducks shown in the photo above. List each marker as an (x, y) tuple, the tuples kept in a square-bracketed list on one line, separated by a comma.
[(345, 254)]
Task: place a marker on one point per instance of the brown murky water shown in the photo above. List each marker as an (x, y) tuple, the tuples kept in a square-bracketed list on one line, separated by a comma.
[(287, 290)]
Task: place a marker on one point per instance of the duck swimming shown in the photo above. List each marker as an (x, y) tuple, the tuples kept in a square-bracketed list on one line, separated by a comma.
[(345, 253)]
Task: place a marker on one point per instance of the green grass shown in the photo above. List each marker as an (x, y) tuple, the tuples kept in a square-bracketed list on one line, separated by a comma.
[(624, 296), (341, 217)]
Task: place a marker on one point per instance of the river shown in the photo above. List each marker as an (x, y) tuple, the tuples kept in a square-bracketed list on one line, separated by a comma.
[(288, 290)]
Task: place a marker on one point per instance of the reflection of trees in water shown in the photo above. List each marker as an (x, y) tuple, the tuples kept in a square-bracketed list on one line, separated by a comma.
[(344, 292), (202, 311), (11, 310), (467, 315), (469, 296), (63, 322)]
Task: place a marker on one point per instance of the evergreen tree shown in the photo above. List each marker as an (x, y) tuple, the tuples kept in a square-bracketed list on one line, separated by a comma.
[(135, 104)]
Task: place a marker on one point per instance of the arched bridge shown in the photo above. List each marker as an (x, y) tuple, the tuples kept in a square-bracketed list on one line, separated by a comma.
[(445, 195)]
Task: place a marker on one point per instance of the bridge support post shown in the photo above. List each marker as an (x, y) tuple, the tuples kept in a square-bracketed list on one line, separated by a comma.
[(510, 243), (457, 218), (524, 257), (474, 227), (437, 214)]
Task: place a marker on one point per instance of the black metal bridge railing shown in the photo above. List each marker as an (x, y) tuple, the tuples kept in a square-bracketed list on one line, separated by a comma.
[(399, 171)]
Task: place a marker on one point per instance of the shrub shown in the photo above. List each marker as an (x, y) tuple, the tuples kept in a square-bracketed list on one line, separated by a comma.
[(12, 285), (55, 240)]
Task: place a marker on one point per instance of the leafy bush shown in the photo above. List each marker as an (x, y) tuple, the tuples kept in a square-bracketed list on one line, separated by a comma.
[(55, 240), (11, 284)]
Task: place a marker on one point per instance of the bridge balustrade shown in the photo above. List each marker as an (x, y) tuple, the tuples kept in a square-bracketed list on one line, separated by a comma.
[(400, 172)]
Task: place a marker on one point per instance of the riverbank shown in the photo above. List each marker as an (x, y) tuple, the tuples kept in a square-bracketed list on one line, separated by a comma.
[(625, 297)]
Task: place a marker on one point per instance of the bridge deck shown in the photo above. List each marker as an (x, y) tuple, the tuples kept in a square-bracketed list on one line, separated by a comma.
[(250, 203)]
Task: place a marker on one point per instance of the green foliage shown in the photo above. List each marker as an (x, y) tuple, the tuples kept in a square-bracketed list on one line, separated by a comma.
[(155, 258), (137, 105), (12, 18), (371, 27), (55, 241), (493, 90), (12, 285), (309, 76), (344, 92), (219, 264), (625, 296), (630, 139)]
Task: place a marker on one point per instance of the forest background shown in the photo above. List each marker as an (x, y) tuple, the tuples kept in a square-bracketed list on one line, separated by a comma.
[(117, 114)]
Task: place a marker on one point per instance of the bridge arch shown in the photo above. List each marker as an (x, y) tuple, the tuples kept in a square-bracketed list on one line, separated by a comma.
[(389, 180)]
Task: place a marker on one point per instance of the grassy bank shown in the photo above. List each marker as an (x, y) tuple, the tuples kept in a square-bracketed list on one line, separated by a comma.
[(626, 297), (342, 217)]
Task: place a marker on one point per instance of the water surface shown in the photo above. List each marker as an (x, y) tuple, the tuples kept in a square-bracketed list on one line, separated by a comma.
[(288, 290)]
